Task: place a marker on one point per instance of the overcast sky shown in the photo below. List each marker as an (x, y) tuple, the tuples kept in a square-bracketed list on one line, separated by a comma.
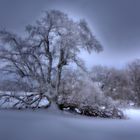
[(116, 24)]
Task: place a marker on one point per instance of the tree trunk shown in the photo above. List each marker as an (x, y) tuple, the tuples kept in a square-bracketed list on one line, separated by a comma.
[(49, 69), (60, 65), (59, 71)]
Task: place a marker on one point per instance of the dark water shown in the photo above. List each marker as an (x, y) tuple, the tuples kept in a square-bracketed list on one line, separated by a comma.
[(42, 125)]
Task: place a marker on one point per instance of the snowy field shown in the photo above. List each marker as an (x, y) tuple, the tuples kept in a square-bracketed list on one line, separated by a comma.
[(46, 125)]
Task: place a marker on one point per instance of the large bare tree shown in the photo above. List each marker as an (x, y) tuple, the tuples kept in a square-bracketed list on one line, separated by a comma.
[(54, 41)]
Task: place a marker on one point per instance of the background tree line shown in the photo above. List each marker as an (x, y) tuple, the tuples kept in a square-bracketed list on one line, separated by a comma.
[(120, 84)]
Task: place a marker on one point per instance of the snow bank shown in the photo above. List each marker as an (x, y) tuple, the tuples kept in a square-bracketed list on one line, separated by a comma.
[(132, 113)]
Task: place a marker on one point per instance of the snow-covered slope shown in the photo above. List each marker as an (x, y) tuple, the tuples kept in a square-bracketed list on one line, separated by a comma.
[(47, 125)]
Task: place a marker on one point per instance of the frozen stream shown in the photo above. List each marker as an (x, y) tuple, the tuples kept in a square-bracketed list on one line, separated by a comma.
[(43, 125)]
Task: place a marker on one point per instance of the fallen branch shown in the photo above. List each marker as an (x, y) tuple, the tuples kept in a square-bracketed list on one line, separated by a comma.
[(30, 101)]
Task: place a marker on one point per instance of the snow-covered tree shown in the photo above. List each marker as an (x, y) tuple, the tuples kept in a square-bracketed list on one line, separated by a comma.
[(54, 41), (134, 78), (113, 82)]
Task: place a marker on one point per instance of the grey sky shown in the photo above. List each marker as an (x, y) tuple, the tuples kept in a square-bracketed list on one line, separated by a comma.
[(116, 23)]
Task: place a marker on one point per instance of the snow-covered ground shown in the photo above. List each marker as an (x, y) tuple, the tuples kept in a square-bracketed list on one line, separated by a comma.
[(133, 114), (47, 125)]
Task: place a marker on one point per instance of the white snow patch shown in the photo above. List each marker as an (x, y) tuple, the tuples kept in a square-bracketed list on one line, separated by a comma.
[(77, 110), (102, 107), (132, 113), (43, 102), (65, 109)]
